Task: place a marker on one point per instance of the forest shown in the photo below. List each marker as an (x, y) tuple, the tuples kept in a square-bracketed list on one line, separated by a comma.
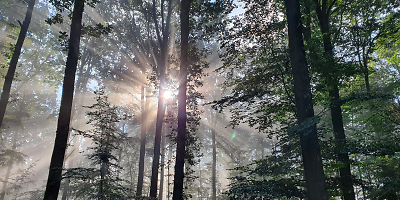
[(200, 99)]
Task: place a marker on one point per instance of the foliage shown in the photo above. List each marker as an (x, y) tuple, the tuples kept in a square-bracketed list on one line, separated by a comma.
[(92, 30), (103, 181), (6, 155), (259, 87), (257, 74), (278, 175)]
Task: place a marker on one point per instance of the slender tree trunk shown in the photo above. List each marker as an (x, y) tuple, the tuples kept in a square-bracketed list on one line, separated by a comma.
[(157, 140), (5, 95), (366, 74), (346, 181), (214, 161), (142, 146), (180, 140), (313, 169), (60, 145), (160, 196), (168, 171), (80, 89), (161, 108), (168, 182), (81, 85), (341, 147)]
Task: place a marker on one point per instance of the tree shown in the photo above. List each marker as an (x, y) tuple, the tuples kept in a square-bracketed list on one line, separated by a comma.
[(214, 159), (331, 76), (312, 160), (181, 139), (102, 182), (258, 76), (14, 61), (142, 142), (60, 144), (63, 125), (161, 67)]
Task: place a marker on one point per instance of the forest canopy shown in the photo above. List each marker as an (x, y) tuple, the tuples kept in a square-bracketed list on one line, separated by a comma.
[(200, 99)]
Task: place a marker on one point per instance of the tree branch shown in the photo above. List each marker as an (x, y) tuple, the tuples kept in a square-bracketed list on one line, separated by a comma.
[(156, 23)]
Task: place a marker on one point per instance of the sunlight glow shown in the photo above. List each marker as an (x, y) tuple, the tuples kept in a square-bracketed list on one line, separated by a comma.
[(168, 95)]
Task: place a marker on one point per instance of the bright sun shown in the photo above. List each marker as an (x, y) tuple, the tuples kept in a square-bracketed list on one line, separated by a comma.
[(168, 95)]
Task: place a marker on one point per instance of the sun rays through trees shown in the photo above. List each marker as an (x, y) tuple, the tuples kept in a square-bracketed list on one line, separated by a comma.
[(199, 99)]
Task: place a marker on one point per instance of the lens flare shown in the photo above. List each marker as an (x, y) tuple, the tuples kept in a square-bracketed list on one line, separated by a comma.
[(233, 135)]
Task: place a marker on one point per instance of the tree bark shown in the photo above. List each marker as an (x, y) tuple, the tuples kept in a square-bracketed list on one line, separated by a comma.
[(60, 145), (180, 140), (142, 146), (312, 161), (5, 95), (161, 107), (79, 97), (346, 181), (161, 192), (366, 74), (159, 124)]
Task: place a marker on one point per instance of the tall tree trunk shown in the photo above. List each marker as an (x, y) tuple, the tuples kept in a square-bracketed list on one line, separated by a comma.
[(160, 196), (5, 95), (161, 108), (366, 74), (79, 96), (157, 140), (313, 169), (168, 172), (180, 140), (214, 160), (60, 145), (346, 181), (142, 146)]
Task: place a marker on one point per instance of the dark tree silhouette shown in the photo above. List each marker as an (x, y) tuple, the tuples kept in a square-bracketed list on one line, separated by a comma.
[(312, 161), (142, 144), (331, 76), (60, 145), (180, 140), (163, 42)]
